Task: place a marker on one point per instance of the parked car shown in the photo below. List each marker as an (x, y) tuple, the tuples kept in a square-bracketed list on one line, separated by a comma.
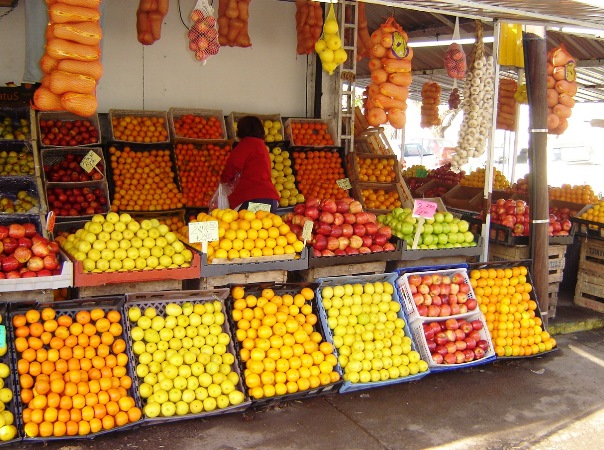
[(415, 153)]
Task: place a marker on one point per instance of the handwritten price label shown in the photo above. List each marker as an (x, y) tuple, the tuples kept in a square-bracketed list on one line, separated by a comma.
[(90, 161), (253, 207), (344, 183), (307, 231), (424, 209), (203, 231)]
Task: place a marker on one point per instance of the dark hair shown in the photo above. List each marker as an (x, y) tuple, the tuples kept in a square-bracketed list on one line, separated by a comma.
[(250, 126)]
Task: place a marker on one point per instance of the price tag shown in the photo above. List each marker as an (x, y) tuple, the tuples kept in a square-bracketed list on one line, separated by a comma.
[(50, 221), (203, 231), (253, 207), (344, 183), (2, 336), (424, 209), (307, 231), (90, 161)]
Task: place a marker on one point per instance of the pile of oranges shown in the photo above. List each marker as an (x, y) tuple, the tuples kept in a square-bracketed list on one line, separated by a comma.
[(511, 314), (582, 194), (72, 372), (372, 169), (246, 234), (317, 172), (143, 129), (144, 180), (199, 168), (282, 352), (315, 134), (198, 127), (380, 198)]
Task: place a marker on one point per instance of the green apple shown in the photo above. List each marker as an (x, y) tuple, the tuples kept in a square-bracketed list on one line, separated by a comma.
[(196, 406)]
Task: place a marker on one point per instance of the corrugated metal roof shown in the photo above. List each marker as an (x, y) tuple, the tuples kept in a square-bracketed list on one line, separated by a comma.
[(424, 20)]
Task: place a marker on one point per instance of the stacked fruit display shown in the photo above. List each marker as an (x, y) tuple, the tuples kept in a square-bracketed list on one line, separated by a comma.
[(410, 172), (273, 130), (378, 199), (245, 234), (446, 175), (477, 177), (376, 170), (24, 253), (515, 214), (183, 362), (512, 315), (194, 126), (11, 129), (8, 430), (283, 178), (118, 242), (415, 183), (317, 172), (456, 341), (199, 170), (69, 170), (144, 180), (582, 194), (73, 374), (521, 186), (17, 162), (142, 129), (595, 213), (438, 294), (282, 352), (68, 132), (368, 332), (24, 203), (340, 228), (442, 231), (314, 134), (77, 201)]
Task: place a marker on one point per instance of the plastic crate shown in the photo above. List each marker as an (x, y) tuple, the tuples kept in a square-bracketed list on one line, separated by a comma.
[(328, 261), (81, 278), (11, 381), (413, 255), (64, 280), (358, 189), (11, 186), (16, 114), (22, 147), (282, 289), (101, 184), (348, 386), (330, 129), (119, 113), (66, 117), (55, 155), (403, 287), (586, 227), (234, 117), (174, 114), (159, 300), (417, 329), (71, 308), (256, 264)]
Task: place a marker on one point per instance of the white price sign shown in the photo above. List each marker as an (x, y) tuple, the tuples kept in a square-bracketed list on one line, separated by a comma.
[(90, 161), (203, 231), (307, 231), (344, 183), (253, 207)]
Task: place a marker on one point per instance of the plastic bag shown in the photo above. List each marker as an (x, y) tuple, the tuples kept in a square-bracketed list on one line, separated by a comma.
[(220, 199), (203, 33)]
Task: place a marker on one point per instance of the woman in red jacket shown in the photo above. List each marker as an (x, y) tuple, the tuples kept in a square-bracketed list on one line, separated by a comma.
[(250, 161)]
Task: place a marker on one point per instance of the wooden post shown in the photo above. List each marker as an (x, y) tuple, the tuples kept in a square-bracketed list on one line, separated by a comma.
[(536, 78)]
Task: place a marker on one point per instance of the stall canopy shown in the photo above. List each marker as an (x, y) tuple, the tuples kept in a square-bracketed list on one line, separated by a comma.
[(579, 24)]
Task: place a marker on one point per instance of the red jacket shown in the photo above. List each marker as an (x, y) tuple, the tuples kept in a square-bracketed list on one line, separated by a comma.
[(251, 161)]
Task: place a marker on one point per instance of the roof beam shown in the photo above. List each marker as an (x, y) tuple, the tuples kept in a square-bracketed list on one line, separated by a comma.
[(405, 5)]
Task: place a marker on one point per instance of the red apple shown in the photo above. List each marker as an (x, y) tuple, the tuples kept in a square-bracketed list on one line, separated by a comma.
[(468, 354), (367, 240), (355, 207), (322, 228), (454, 309), (10, 245), (451, 336), (460, 335), (422, 310), (437, 357), (471, 303), (376, 248), (427, 299), (16, 230), (451, 347), (9, 263), (435, 289), (24, 242), (389, 247), (380, 239), (479, 353), (461, 345), (433, 311), (423, 289), (436, 300), (332, 243), (470, 342), (338, 219), (313, 201), (44, 273), (415, 280), (454, 288), (359, 229), (51, 262), (437, 279), (347, 230), (445, 310), (339, 252), (326, 217), (459, 357), (457, 278), (356, 241), (3, 231), (349, 218), (320, 242), (30, 229), (336, 231), (362, 218), (483, 344), (464, 287), (12, 275), (441, 350), (386, 231), (22, 254), (477, 324), (364, 250), (342, 206), (427, 280), (29, 274), (300, 208), (329, 205), (466, 327), (371, 228), (312, 212), (440, 338), (35, 263), (352, 251), (344, 242), (446, 279), (40, 248), (451, 324)]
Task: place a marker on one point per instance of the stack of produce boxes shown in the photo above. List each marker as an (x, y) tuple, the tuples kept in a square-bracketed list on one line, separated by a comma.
[(446, 322), (362, 316)]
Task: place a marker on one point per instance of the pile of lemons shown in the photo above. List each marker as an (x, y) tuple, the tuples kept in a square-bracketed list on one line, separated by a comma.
[(283, 177)]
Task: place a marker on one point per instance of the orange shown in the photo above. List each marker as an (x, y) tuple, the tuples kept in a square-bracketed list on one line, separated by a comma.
[(121, 418), (63, 415), (56, 342), (59, 429), (31, 429), (72, 428), (61, 366), (126, 382), (99, 411), (126, 403), (65, 321), (103, 397), (21, 344), (103, 325), (57, 386), (87, 413), (83, 340), (75, 414), (51, 325), (76, 328), (89, 329), (110, 360), (66, 353), (46, 429), (83, 388), (50, 414), (37, 416), (46, 337), (96, 314), (94, 373), (35, 368), (115, 329), (107, 338), (82, 317), (73, 364), (119, 346), (26, 395), (19, 320), (42, 387), (112, 408), (71, 389), (35, 342), (122, 359), (22, 331), (114, 316), (41, 355), (38, 402), (32, 316), (108, 422), (36, 329), (83, 428), (134, 414), (71, 340), (62, 332), (89, 352), (22, 366)]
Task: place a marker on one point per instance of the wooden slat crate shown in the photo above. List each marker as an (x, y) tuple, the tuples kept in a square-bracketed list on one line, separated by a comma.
[(555, 253), (278, 276), (589, 291), (373, 140), (340, 270), (552, 294), (360, 122)]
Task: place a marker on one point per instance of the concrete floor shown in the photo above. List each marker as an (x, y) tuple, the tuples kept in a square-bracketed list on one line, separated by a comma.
[(549, 402)]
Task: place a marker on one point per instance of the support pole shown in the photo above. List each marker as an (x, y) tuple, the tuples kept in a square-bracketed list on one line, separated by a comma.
[(533, 39)]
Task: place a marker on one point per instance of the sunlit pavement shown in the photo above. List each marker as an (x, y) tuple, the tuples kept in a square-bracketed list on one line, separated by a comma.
[(549, 402)]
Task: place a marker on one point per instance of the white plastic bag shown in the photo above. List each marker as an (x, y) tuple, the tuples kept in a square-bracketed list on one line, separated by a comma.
[(220, 199)]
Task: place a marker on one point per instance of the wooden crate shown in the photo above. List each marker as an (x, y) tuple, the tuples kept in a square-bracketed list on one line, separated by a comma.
[(589, 292), (278, 276), (433, 261), (360, 122), (340, 270), (552, 294), (556, 257), (373, 140), (591, 256), (38, 295), (134, 287)]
